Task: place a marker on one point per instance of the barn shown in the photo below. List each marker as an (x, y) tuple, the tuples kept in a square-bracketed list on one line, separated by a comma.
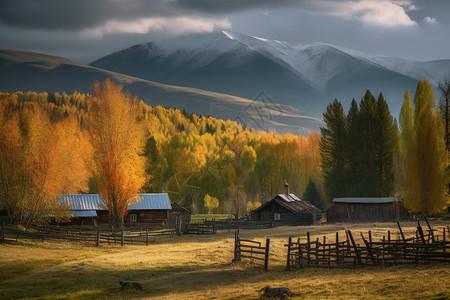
[(287, 209), (356, 210), (90, 208)]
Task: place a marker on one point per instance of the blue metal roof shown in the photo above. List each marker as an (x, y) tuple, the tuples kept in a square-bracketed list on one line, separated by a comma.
[(364, 200), (86, 203), (83, 213), (83, 202), (151, 201)]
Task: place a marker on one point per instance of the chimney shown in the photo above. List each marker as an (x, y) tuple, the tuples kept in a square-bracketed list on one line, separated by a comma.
[(286, 188)]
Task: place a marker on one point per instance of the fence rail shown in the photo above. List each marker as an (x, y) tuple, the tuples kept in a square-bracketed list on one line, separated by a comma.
[(200, 228), (238, 224), (48, 233), (423, 248), (252, 250)]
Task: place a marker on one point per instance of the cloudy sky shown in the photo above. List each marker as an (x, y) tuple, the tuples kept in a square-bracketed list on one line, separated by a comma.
[(84, 30)]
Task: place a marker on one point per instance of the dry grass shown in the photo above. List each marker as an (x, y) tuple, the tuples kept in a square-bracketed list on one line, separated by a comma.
[(199, 267)]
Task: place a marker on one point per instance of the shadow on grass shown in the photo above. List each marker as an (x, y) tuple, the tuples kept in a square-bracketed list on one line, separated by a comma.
[(76, 281)]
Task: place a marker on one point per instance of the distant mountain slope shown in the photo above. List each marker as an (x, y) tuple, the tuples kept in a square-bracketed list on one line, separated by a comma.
[(27, 71), (307, 76)]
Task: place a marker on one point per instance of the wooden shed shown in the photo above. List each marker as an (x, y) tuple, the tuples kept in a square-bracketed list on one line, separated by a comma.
[(91, 208), (356, 210), (179, 217), (287, 209)]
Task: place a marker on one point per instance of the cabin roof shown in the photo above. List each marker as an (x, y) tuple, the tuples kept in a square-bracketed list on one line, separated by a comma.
[(83, 202), (83, 205), (151, 201), (365, 200), (292, 203), (177, 207)]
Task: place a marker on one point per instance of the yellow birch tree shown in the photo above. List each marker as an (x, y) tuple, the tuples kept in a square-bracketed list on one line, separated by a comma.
[(118, 139)]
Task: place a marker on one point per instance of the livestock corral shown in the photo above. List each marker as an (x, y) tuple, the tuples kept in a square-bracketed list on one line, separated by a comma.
[(208, 266)]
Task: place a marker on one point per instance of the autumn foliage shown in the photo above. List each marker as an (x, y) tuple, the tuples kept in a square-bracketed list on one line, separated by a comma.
[(117, 138)]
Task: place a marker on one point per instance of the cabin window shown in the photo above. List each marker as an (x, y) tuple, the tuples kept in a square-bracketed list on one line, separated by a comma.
[(133, 217), (276, 217)]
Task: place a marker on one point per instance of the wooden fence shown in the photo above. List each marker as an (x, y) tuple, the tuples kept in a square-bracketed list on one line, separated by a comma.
[(422, 248), (47, 233), (251, 250), (239, 224), (200, 228)]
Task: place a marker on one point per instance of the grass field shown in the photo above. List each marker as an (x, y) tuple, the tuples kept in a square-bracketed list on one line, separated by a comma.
[(199, 267)]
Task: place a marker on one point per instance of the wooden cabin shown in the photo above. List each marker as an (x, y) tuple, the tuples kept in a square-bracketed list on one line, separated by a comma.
[(287, 209), (356, 210), (150, 208), (91, 208)]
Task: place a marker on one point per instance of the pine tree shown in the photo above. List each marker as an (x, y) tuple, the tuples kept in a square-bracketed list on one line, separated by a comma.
[(332, 150), (312, 195), (386, 139)]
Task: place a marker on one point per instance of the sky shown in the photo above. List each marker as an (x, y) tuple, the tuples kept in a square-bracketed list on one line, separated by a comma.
[(85, 30)]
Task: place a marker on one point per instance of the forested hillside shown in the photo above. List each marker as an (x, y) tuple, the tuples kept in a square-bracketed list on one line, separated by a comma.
[(187, 155)]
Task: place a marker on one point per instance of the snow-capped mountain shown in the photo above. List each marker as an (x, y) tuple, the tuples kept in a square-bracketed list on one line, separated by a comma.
[(28, 71), (307, 76)]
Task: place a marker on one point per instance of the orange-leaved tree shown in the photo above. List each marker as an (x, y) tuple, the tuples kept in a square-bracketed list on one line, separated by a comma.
[(118, 139), (39, 160)]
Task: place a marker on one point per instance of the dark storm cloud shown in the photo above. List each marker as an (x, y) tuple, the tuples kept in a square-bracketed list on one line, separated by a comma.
[(227, 6), (78, 14)]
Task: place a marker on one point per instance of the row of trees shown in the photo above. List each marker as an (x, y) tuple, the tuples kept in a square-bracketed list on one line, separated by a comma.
[(365, 155), (119, 146), (357, 149)]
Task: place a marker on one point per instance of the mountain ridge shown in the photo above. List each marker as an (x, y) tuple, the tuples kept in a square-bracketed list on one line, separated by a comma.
[(303, 75), (28, 71)]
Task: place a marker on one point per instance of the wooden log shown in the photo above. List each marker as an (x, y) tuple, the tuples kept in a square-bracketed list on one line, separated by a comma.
[(422, 237), (369, 250), (266, 256), (429, 227), (401, 231), (355, 248)]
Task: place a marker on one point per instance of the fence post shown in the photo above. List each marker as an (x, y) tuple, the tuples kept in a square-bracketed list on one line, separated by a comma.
[(236, 246), (122, 239), (358, 257), (443, 238), (266, 255), (401, 231), (431, 229), (288, 262), (308, 247), (370, 238), (337, 247), (2, 232), (97, 243), (146, 237)]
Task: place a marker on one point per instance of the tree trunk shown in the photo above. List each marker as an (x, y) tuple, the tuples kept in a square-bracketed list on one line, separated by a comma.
[(116, 222)]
